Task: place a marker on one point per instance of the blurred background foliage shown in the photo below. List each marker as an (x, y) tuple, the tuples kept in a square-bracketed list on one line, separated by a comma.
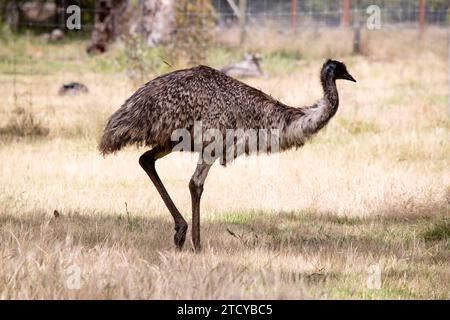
[(396, 10)]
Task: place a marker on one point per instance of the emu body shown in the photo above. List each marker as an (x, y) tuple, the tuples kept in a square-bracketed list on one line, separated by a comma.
[(179, 99)]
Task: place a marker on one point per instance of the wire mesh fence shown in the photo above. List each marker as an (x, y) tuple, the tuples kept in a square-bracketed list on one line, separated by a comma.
[(294, 14)]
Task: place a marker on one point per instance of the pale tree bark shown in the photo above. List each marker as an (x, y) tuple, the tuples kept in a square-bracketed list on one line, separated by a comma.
[(152, 19)]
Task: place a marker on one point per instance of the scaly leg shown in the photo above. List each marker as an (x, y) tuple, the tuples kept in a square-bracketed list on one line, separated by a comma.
[(147, 162), (196, 188)]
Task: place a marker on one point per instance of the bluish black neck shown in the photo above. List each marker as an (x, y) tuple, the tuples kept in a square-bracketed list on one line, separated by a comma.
[(328, 81)]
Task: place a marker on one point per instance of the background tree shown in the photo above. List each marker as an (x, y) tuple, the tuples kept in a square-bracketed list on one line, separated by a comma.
[(195, 21)]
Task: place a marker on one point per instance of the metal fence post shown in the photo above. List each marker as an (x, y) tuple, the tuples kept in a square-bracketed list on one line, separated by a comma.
[(345, 20)]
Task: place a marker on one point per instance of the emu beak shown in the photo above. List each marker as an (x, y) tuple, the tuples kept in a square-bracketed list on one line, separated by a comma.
[(348, 77)]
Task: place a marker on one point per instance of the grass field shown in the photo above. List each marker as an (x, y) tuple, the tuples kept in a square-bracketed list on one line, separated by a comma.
[(367, 200)]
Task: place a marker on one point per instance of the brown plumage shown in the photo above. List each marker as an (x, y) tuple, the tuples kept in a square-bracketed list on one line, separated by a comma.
[(177, 99)]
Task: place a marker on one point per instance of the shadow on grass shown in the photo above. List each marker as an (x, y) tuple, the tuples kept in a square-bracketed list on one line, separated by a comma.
[(301, 232)]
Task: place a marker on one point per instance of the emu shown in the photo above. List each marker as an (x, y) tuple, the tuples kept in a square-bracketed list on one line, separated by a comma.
[(179, 99), (249, 67), (72, 88)]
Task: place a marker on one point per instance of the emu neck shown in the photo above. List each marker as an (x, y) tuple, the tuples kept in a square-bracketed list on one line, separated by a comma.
[(304, 122), (319, 115), (331, 97)]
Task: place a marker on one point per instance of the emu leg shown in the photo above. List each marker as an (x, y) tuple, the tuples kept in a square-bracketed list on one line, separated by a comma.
[(196, 188), (147, 162)]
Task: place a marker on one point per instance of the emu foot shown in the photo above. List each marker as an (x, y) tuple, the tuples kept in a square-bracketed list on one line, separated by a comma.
[(180, 235)]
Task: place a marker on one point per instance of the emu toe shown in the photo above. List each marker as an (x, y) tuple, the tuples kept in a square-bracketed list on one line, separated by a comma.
[(180, 235)]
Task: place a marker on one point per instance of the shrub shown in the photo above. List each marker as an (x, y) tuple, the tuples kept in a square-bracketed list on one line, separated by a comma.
[(24, 124), (194, 22)]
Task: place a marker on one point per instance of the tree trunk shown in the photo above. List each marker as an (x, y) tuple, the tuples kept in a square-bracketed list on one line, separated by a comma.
[(357, 29), (59, 16), (109, 23), (154, 20), (11, 14)]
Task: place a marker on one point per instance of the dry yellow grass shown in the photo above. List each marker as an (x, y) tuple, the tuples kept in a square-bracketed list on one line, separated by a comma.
[(373, 188)]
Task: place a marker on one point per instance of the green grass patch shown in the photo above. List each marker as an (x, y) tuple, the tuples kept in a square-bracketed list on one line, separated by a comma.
[(437, 99), (219, 57), (439, 231), (279, 62), (238, 218), (344, 220)]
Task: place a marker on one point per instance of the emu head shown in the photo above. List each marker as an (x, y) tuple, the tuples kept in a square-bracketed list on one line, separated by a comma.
[(254, 60), (337, 70)]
